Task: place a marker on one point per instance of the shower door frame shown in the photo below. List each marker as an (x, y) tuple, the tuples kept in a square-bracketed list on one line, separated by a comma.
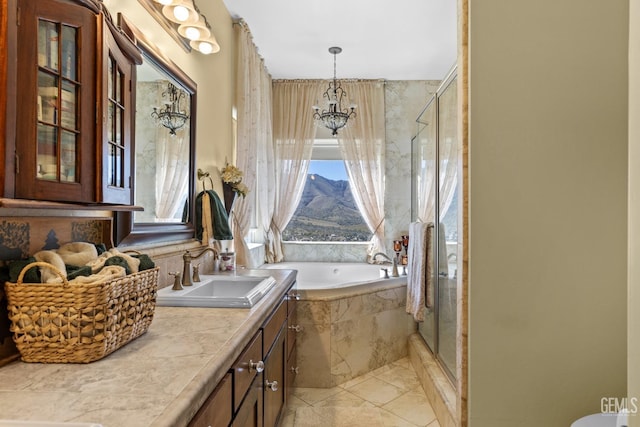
[(435, 346)]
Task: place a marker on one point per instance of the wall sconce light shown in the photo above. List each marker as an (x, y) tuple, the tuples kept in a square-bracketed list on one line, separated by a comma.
[(184, 22)]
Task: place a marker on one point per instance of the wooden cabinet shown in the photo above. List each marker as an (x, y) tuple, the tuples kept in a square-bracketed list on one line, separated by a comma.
[(274, 365), (258, 389), (72, 103), (217, 411), (246, 368)]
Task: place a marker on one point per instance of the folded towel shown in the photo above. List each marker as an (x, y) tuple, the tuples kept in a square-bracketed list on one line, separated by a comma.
[(48, 275), (106, 274), (218, 216), (74, 271), (30, 276), (78, 253), (101, 248), (117, 260), (419, 274), (97, 264), (146, 263)]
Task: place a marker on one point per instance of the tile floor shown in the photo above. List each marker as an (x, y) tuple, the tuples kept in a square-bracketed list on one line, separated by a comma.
[(390, 396)]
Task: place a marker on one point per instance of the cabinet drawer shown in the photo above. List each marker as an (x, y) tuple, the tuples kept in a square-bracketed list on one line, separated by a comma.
[(216, 410), (243, 372), (273, 325)]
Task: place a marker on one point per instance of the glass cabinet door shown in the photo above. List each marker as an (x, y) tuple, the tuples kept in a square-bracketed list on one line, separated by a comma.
[(55, 105), (57, 143), (116, 135)]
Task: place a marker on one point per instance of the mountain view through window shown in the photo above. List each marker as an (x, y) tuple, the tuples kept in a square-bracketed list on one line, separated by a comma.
[(327, 211)]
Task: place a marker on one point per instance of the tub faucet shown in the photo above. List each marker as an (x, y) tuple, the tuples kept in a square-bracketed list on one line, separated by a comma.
[(381, 254), (186, 264)]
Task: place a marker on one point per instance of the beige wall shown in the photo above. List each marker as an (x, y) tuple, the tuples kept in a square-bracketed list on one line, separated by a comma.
[(633, 303), (548, 209), (212, 73)]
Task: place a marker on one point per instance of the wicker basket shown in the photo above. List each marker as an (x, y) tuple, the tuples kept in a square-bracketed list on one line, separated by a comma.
[(76, 322)]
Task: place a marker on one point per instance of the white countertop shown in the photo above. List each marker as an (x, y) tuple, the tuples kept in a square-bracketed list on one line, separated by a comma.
[(160, 379)]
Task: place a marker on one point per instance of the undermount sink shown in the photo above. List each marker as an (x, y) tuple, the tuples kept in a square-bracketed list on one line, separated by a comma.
[(218, 291)]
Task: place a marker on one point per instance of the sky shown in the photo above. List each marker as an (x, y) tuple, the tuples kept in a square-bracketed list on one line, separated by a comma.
[(330, 169)]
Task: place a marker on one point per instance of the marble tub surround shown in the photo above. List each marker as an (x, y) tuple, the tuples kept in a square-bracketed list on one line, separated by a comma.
[(160, 379), (436, 384), (345, 336)]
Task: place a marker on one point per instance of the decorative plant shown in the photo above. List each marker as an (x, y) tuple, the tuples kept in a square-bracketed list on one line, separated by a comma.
[(232, 176)]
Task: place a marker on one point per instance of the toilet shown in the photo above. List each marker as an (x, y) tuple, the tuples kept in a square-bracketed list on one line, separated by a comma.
[(602, 420)]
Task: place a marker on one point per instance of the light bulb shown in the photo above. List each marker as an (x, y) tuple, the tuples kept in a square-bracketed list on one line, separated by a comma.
[(181, 13), (205, 47), (164, 2), (192, 33)]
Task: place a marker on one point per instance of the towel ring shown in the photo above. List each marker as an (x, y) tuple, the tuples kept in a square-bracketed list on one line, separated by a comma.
[(201, 176)]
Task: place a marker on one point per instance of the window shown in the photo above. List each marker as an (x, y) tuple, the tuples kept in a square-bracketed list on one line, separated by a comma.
[(327, 211)]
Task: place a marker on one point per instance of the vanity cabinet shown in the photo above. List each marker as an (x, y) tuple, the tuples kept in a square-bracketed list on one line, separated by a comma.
[(72, 103), (255, 390)]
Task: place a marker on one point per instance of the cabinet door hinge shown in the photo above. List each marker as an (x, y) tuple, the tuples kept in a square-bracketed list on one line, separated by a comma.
[(17, 163), (18, 17)]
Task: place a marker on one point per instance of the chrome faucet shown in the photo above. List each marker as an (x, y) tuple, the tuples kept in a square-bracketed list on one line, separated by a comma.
[(186, 264), (383, 255)]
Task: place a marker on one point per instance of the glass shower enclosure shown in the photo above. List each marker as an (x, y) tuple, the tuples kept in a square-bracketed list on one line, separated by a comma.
[(435, 165)]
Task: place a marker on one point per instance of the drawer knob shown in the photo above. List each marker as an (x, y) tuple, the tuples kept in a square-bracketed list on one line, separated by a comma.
[(294, 369), (294, 295), (296, 328), (271, 385), (256, 366)]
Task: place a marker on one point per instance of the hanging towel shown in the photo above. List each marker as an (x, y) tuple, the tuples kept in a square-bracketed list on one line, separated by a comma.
[(420, 274), (214, 210)]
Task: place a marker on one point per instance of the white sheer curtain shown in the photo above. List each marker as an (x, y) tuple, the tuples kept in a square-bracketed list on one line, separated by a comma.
[(446, 158), (254, 142), (293, 135), (426, 154), (172, 168), (362, 143), (448, 141)]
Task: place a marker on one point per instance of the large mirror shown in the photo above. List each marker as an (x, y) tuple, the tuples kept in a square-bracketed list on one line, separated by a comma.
[(164, 129)]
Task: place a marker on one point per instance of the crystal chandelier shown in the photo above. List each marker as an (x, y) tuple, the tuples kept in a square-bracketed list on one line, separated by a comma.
[(334, 117), (171, 116)]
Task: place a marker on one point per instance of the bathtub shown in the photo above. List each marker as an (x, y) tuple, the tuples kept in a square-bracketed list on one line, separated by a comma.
[(353, 321), (331, 280)]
